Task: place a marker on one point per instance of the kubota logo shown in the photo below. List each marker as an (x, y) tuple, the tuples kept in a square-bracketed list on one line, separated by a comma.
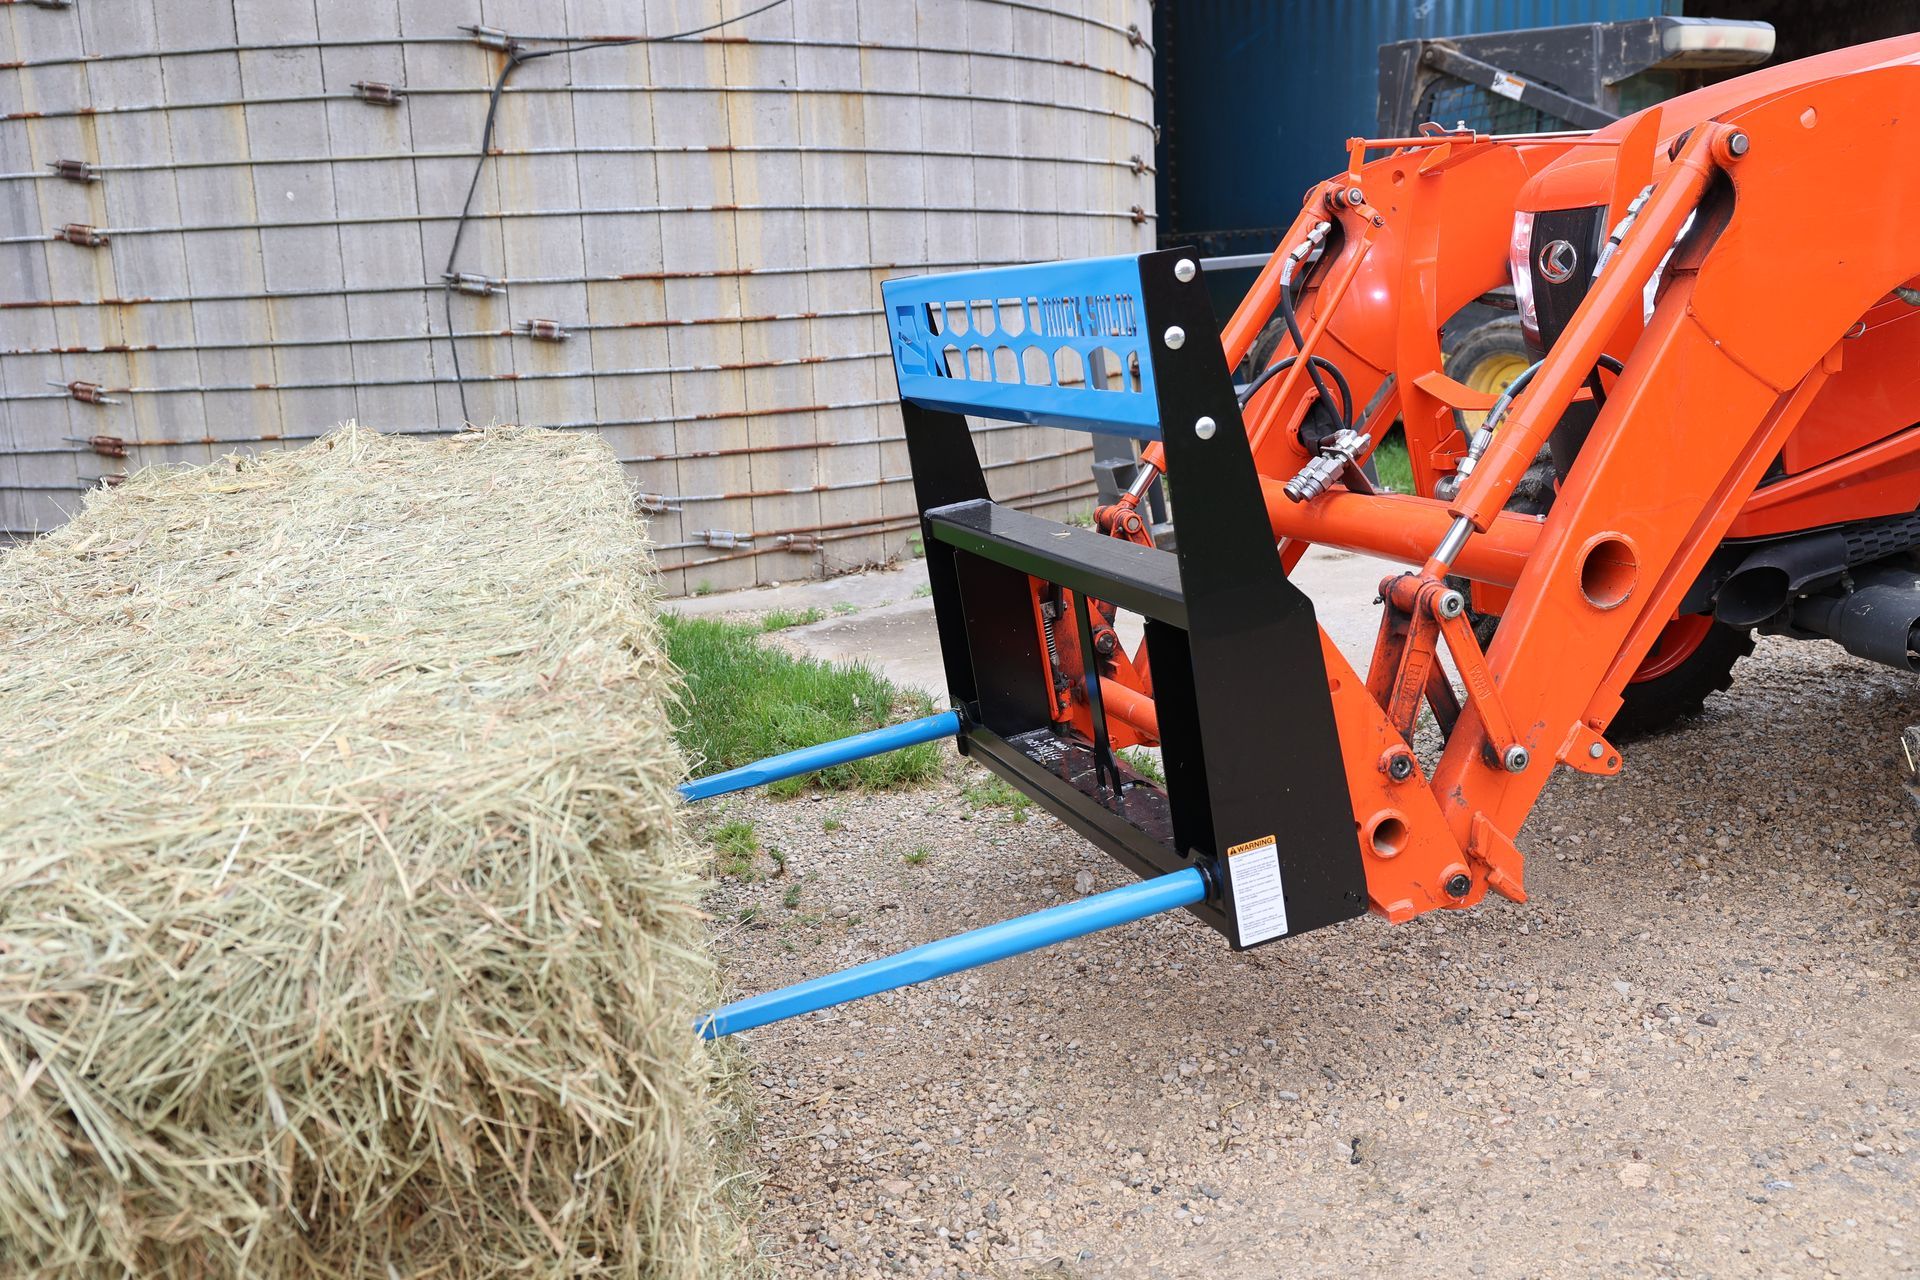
[(1557, 261)]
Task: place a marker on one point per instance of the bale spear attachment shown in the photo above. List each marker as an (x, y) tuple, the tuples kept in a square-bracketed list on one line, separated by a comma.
[(1230, 681)]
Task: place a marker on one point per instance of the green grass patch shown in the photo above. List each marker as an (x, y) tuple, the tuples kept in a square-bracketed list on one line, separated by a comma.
[(781, 619), (745, 701), (832, 825), (915, 857), (1390, 462)]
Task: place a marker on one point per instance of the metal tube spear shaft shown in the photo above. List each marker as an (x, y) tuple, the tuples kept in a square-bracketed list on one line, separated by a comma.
[(969, 950), (840, 751)]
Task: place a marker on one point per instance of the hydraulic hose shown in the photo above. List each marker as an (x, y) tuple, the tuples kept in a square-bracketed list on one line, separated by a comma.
[(1295, 256), (1315, 362), (1457, 533)]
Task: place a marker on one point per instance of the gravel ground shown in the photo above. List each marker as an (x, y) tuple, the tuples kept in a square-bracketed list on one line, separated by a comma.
[(1690, 1054)]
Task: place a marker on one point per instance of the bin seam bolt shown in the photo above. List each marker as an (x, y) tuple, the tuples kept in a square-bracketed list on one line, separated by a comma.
[(1204, 428), (1597, 750), (1175, 337), (1184, 270), (1517, 758)]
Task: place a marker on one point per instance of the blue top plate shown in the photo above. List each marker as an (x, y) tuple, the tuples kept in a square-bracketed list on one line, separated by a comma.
[(1057, 344)]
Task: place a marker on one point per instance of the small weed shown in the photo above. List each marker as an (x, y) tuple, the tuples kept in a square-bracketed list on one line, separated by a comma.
[(703, 588), (1144, 765), (779, 859), (736, 837), (736, 844), (791, 898), (781, 619), (990, 792), (749, 914), (832, 825), (917, 547), (845, 607), (915, 857), (1083, 517), (922, 591)]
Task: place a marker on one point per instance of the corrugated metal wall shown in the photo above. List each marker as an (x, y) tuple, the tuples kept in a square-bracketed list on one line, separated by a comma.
[(709, 220), (1258, 99)]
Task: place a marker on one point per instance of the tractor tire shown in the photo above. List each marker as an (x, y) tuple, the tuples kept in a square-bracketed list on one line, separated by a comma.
[(1651, 703), (1265, 344), (1486, 357), (1669, 686)]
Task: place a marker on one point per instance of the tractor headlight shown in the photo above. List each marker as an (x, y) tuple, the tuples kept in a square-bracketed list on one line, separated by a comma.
[(1520, 267)]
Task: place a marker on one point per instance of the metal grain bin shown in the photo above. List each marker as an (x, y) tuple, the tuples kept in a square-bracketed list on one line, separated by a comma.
[(226, 224)]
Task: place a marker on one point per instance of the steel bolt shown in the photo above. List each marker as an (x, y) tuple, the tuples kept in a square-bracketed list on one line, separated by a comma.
[(1354, 196), (1458, 885), (1184, 270), (1517, 758), (1737, 144), (1400, 767), (1175, 337), (1204, 428), (1451, 604), (1597, 750)]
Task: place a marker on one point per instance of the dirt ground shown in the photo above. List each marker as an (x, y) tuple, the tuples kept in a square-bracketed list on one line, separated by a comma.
[(1691, 1053)]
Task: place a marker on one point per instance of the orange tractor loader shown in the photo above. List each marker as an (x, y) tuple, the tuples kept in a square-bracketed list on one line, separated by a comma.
[(1717, 435)]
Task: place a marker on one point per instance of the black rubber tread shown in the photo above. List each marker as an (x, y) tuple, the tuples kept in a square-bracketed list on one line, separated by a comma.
[(1652, 705), (1495, 337)]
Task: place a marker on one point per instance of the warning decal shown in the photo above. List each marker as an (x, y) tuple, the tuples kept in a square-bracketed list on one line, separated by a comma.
[(1253, 870), (1508, 86)]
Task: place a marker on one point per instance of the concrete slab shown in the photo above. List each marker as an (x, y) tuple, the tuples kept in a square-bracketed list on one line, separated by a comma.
[(891, 626), (899, 639)]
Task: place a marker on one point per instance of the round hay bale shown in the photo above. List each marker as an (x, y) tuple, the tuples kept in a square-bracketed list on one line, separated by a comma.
[(345, 929)]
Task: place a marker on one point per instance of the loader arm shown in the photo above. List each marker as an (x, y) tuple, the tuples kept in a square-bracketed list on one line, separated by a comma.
[(1804, 202)]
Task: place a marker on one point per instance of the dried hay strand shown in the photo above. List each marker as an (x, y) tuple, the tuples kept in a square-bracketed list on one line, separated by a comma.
[(345, 929)]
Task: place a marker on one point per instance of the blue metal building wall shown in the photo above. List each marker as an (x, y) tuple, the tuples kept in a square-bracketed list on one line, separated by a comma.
[(1258, 97)]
